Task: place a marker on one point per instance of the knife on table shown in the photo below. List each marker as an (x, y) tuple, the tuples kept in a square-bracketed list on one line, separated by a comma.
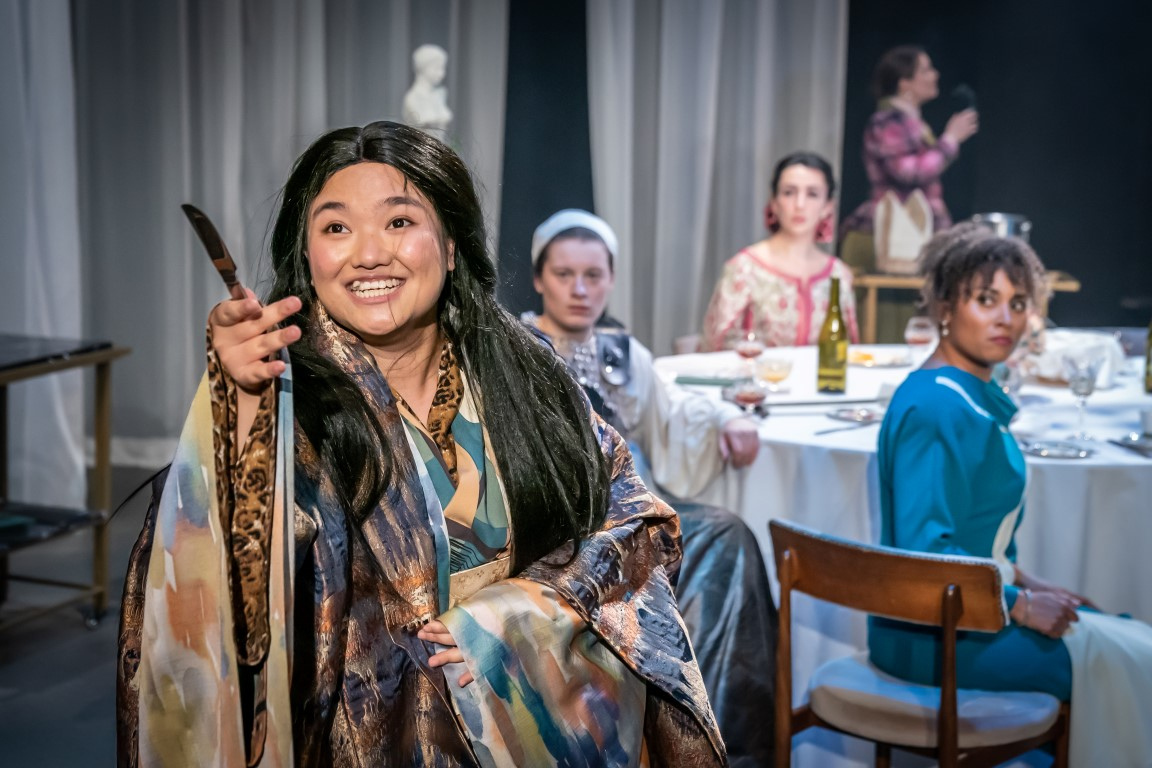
[(217, 251), (1145, 452)]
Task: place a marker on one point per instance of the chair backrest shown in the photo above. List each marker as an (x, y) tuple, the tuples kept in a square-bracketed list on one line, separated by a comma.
[(883, 581), (947, 591)]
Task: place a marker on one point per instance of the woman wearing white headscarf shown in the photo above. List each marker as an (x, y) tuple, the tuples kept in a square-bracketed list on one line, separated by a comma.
[(685, 440)]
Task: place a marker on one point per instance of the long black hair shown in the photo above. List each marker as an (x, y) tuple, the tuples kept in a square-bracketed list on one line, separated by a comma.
[(555, 476)]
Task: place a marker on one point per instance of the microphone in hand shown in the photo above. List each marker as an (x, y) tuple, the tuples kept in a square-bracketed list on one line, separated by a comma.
[(965, 97)]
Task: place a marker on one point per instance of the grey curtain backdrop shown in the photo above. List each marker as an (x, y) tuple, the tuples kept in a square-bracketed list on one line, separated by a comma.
[(208, 101), (691, 104), (40, 274)]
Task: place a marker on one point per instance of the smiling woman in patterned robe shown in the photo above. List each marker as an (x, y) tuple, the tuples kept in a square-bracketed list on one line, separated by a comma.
[(352, 564)]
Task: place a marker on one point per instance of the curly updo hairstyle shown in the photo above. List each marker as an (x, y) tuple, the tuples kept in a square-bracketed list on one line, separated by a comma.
[(964, 258)]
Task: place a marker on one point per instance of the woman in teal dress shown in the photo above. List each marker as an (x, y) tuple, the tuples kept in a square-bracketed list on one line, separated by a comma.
[(952, 481), (952, 478)]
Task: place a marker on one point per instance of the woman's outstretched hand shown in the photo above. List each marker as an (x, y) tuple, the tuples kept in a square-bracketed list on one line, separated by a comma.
[(435, 632), (244, 335)]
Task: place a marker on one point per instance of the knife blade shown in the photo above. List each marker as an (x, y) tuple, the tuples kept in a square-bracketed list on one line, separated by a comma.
[(217, 251)]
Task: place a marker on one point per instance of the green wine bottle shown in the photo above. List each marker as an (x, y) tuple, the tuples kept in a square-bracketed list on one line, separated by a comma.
[(1148, 360), (832, 367)]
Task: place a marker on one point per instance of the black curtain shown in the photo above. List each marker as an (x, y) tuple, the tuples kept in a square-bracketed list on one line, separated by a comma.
[(547, 155)]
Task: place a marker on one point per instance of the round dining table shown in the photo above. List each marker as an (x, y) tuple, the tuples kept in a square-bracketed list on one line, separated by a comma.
[(1087, 521)]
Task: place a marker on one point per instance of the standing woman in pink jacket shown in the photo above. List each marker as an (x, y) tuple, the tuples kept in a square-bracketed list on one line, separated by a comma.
[(902, 155)]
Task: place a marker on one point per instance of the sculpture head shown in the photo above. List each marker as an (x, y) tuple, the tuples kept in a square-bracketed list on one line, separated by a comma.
[(430, 62)]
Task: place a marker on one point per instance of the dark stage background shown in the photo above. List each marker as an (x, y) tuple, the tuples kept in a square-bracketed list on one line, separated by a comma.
[(1064, 91), (547, 154)]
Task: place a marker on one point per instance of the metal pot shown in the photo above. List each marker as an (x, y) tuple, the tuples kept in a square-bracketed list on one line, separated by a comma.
[(1006, 224)]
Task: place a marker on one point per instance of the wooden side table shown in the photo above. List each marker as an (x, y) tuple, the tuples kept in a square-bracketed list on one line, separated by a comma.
[(872, 283), (24, 524)]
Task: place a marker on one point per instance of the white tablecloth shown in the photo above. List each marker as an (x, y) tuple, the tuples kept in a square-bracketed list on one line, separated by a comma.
[(1087, 525)]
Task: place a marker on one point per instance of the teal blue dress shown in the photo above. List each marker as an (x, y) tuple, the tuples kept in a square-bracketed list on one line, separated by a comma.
[(952, 481)]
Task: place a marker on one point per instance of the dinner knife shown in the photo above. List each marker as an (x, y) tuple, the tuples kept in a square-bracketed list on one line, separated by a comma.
[(1145, 452), (217, 251)]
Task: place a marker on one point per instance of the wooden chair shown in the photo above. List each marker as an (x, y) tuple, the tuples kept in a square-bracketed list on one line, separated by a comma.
[(851, 696)]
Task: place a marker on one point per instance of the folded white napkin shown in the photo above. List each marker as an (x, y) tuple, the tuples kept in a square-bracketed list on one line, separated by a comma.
[(1058, 342)]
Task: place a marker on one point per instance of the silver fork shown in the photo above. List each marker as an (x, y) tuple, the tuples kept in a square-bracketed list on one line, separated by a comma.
[(861, 425)]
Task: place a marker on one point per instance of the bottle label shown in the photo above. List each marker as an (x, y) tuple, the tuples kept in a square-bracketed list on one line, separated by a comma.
[(832, 369)]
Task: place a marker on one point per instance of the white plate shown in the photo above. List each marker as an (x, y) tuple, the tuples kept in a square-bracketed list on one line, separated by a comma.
[(1058, 449), (857, 415), (863, 359), (1136, 440)]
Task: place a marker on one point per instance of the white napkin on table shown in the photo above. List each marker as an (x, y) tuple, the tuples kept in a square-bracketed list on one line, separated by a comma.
[(1058, 342)]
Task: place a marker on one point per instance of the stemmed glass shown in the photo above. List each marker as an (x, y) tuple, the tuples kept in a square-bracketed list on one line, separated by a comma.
[(1008, 377), (920, 335), (750, 394), (774, 370), (1081, 371), (749, 346)]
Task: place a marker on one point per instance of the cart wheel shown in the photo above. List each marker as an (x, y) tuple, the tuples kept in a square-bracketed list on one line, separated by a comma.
[(92, 619)]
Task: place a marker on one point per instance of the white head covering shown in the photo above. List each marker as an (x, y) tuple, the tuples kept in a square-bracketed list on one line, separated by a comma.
[(567, 219)]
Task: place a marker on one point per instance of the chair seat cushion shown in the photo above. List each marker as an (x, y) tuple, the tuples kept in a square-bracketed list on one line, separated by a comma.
[(853, 695)]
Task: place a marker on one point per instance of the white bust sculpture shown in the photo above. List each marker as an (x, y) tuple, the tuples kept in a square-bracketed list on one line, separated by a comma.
[(426, 103)]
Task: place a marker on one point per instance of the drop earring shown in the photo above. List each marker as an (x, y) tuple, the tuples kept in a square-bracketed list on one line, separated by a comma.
[(824, 231), (771, 223), (944, 329)]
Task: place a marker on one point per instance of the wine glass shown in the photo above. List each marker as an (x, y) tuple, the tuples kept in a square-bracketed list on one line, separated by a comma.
[(774, 370), (1081, 371), (749, 346), (920, 335), (750, 394), (1008, 377)]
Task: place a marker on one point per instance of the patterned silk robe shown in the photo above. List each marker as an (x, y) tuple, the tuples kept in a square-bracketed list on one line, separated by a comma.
[(263, 626)]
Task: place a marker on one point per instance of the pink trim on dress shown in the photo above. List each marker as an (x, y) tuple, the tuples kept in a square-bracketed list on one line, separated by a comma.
[(804, 303)]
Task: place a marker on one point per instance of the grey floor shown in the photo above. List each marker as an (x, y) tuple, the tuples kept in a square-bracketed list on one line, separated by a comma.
[(57, 678)]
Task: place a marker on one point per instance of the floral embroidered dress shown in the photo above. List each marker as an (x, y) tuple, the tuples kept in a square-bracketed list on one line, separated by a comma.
[(782, 309), (263, 626), (901, 154)]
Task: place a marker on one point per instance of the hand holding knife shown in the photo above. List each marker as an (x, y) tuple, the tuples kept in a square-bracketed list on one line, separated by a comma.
[(248, 338)]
